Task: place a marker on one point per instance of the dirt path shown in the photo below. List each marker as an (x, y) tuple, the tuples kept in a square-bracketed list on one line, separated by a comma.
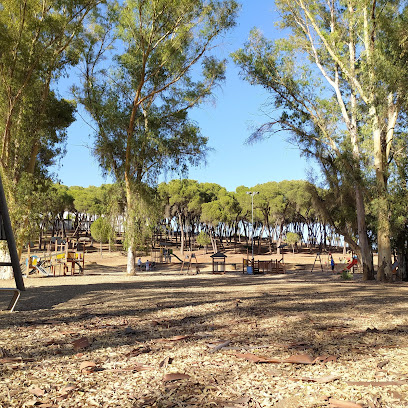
[(109, 340)]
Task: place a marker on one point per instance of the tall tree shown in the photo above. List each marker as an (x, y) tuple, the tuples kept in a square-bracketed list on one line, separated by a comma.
[(344, 48), (38, 40), (140, 102)]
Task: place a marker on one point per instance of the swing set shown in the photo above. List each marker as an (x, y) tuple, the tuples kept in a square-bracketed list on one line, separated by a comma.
[(6, 234)]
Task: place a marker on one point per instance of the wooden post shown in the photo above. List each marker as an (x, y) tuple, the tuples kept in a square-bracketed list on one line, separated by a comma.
[(15, 261)]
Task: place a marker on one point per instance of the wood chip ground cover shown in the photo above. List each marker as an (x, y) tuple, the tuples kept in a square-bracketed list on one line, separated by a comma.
[(171, 340)]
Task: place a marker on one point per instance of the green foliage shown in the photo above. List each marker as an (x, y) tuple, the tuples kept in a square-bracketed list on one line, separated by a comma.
[(38, 41), (292, 238), (101, 230), (142, 219), (92, 200), (140, 105), (203, 239), (346, 275)]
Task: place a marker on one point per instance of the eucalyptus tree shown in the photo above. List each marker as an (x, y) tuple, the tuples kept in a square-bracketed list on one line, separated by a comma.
[(399, 198), (160, 67), (39, 39), (338, 91)]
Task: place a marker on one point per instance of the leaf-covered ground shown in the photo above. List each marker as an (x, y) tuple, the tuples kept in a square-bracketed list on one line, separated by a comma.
[(168, 340)]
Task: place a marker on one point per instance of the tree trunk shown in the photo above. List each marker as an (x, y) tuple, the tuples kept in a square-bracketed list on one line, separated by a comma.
[(383, 215), (131, 262), (384, 243), (278, 244), (402, 260), (181, 225), (365, 250), (131, 252)]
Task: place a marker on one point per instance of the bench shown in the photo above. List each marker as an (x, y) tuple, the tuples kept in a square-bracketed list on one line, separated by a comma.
[(14, 299)]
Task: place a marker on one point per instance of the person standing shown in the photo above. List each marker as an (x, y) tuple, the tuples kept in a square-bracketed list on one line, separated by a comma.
[(332, 262)]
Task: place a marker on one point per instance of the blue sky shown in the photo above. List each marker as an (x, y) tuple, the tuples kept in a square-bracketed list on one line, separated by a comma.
[(227, 123)]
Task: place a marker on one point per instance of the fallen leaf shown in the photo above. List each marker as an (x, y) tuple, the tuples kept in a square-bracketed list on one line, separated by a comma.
[(166, 362), (139, 350), (376, 383), (178, 338), (300, 359), (11, 360), (219, 346), (334, 403), (328, 359), (67, 389), (87, 367), (135, 368), (174, 338), (158, 322), (320, 380), (142, 367), (38, 392), (83, 342), (381, 364), (175, 377)]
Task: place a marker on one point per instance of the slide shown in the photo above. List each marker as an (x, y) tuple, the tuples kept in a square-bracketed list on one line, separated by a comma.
[(352, 263), (176, 257), (41, 270)]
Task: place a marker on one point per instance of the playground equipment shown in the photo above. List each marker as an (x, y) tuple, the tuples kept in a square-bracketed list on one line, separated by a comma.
[(69, 258), (35, 264), (65, 261), (262, 267), (189, 259), (6, 234), (317, 258), (353, 262), (172, 254)]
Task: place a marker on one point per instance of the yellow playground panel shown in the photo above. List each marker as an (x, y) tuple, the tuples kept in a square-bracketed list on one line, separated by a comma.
[(70, 258), (47, 264)]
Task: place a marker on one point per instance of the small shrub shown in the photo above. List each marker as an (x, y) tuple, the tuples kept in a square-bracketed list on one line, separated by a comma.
[(101, 230), (292, 238), (203, 239), (346, 275)]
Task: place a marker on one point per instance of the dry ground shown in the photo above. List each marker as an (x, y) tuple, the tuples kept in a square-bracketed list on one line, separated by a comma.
[(165, 339)]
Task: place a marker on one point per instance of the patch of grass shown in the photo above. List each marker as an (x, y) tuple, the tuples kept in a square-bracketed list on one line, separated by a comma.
[(346, 275)]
